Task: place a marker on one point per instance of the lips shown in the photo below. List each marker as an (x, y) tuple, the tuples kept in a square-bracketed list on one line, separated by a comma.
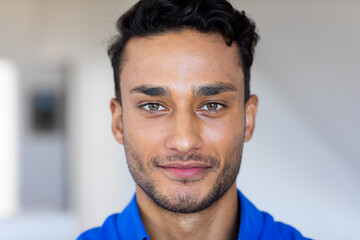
[(185, 170)]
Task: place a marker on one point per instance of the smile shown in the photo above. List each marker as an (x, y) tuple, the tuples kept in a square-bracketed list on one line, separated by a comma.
[(189, 170)]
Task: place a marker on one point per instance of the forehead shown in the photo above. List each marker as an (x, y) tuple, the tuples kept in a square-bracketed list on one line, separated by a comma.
[(181, 59)]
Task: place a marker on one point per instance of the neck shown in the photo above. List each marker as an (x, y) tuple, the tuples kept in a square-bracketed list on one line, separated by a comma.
[(220, 221)]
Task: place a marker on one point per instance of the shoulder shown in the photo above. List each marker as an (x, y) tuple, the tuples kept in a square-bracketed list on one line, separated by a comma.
[(107, 231), (124, 225), (255, 224), (278, 230)]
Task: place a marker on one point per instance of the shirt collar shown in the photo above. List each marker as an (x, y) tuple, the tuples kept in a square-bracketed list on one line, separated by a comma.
[(131, 226), (251, 220)]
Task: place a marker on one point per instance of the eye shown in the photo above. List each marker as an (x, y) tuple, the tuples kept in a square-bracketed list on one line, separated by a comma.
[(153, 107), (212, 106)]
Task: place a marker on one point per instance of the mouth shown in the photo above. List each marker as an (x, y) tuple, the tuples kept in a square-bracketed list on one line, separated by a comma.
[(185, 170)]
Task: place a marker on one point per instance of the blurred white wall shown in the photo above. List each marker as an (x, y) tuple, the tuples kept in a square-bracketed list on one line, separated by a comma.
[(9, 148), (303, 162)]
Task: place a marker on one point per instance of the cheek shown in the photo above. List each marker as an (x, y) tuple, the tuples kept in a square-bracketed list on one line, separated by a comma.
[(144, 134), (225, 132)]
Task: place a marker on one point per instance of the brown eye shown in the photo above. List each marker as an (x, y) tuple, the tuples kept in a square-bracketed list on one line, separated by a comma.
[(153, 106), (212, 106)]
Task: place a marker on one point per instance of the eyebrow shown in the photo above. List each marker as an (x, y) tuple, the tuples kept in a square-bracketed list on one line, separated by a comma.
[(151, 90), (213, 89), (205, 90)]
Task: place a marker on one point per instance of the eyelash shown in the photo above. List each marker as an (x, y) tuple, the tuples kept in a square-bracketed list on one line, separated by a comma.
[(146, 107), (216, 108)]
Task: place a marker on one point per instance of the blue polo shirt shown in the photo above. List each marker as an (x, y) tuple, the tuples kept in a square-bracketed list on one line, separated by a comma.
[(254, 225)]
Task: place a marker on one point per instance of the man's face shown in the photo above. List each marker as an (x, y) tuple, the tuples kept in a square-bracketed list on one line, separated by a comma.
[(182, 119)]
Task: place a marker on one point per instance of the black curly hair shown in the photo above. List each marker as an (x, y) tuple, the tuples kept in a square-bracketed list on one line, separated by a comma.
[(152, 17)]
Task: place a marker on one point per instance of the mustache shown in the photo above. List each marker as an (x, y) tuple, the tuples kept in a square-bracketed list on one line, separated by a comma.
[(210, 160)]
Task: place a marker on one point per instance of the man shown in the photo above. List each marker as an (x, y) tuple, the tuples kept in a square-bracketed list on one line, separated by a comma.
[(183, 110)]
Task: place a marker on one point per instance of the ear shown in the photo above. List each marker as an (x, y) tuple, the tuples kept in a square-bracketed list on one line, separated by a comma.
[(117, 121), (250, 115)]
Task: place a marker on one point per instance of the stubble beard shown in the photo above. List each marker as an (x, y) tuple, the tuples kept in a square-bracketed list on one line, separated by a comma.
[(184, 201)]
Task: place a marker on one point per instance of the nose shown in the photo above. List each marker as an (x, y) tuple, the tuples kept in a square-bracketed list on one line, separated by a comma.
[(184, 133)]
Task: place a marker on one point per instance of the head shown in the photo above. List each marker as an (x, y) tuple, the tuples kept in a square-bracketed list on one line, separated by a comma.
[(183, 107)]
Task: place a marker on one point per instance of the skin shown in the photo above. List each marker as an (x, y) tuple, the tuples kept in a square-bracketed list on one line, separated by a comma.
[(182, 124)]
